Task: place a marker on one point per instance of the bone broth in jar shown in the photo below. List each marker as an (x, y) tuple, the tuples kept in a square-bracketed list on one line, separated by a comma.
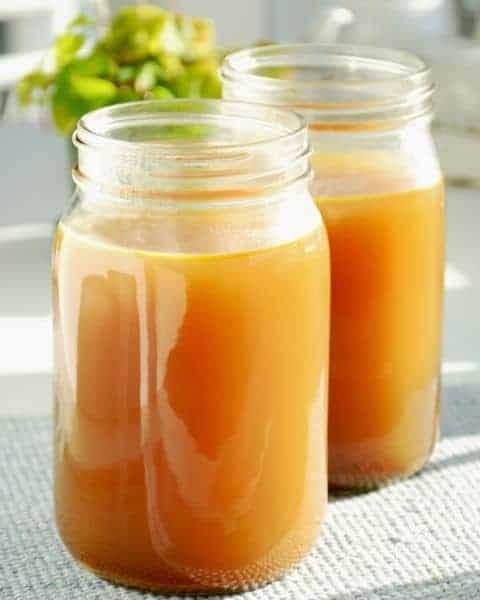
[(379, 189), (191, 300)]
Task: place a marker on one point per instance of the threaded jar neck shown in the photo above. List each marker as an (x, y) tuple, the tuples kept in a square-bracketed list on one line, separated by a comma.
[(333, 86), (183, 150)]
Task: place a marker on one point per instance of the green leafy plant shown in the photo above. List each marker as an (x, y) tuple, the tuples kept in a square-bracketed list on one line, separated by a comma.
[(145, 53)]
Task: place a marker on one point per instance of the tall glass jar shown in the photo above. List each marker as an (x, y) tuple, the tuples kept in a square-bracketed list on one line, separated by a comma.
[(379, 188), (191, 281)]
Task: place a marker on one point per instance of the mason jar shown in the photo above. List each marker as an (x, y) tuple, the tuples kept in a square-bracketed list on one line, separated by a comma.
[(379, 188), (191, 313)]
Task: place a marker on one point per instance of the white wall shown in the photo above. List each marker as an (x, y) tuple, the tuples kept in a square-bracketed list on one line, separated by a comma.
[(34, 174)]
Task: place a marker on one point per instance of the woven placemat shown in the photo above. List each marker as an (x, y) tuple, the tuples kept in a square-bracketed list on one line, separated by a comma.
[(418, 539)]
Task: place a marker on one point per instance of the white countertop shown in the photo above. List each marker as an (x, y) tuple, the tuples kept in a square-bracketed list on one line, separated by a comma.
[(25, 310)]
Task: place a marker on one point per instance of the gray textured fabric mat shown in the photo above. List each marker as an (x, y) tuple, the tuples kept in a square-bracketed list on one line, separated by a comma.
[(418, 539)]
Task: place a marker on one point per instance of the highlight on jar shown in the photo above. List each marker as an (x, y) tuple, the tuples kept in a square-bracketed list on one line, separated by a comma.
[(191, 313), (379, 189)]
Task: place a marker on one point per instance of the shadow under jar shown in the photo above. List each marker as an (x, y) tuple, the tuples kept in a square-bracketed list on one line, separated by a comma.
[(379, 188), (191, 281)]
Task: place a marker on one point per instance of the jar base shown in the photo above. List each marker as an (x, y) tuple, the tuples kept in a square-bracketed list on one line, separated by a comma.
[(177, 589), (361, 482), (158, 577)]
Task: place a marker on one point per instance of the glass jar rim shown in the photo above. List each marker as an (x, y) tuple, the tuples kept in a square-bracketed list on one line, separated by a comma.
[(150, 148), (332, 82), (93, 127)]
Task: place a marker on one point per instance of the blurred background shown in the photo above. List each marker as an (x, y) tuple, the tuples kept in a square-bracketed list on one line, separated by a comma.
[(34, 158)]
